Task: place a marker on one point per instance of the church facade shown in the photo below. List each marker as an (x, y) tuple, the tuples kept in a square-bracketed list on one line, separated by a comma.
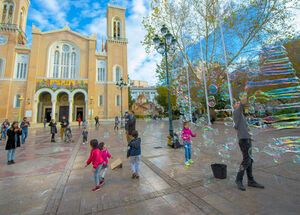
[(62, 73)]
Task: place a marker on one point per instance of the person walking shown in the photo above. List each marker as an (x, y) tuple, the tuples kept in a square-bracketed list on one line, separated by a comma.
[(97, 123), (134, 153), (79, 120), (96, 159), (84, 135), (4, 127), (186, 135), (24, 126), (45, 122), (64, 124), (116, 123), (53, 130), (106, 156), (244, 137), (13, 141)]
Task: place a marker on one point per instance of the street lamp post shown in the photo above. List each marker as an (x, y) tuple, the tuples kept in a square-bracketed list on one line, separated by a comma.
[(164, 44), (20, 111), (121, 84)]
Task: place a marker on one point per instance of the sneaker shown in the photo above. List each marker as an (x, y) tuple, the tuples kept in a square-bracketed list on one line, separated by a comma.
[(191, 161), (133, 176), (96, 188), (187, 164), (255, 184), (13, 162), (9, 163), (101, 182), (137, 176)]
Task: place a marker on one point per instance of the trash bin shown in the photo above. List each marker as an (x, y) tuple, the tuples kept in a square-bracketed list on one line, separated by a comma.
[(219, 170)]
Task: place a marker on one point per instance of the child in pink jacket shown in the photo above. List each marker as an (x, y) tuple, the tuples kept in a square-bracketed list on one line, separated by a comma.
[(105, 156), (186, 135), (97, 162)]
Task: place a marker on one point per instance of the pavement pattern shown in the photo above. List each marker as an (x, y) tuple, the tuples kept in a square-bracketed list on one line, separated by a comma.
[(50, 178)]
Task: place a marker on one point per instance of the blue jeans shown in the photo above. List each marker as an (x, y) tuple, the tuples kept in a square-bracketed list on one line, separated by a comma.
[(187, 150), (3, 135), (11, 154), (135, 164), (24, 135), (97, 175)]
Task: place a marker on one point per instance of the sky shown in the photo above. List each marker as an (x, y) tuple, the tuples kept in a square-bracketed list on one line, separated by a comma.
[(89, 17)]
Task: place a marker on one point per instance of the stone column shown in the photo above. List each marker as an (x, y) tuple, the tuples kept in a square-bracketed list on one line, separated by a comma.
[(71, 111), (35, 110), (53, 109), (86, 117)]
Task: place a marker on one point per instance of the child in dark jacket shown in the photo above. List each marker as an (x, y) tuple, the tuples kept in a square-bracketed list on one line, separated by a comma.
[(97, 161), (134, 152), (13, 141), (186, 135), (105, 156)]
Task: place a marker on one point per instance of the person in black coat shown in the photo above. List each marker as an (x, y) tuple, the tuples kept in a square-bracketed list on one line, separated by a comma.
[(53, 130), (131, 125), (13, 141), (134, 152)]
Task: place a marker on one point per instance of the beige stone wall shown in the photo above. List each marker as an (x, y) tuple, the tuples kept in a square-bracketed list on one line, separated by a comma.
[(39, 63)]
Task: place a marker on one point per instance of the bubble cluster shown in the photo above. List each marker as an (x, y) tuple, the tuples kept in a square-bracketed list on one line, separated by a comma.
[(228, 121)]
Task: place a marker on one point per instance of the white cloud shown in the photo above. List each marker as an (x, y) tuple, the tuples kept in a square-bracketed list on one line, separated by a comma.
[(141, 66)]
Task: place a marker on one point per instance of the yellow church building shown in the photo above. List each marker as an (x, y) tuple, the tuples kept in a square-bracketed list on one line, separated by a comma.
[(62, 73)]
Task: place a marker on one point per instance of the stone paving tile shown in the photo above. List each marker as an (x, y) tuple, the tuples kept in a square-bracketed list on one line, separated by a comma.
[(165, 186)]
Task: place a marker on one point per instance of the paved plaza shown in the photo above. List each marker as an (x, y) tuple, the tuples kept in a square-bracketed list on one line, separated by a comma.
[(50, 178)]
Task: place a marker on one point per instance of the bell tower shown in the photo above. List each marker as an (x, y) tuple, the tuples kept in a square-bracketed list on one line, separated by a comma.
[(13, 18)]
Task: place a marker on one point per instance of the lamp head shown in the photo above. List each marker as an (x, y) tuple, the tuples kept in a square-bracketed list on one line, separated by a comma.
[(164, 30)]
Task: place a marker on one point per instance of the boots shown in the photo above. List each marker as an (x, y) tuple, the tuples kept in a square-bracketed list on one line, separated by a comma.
[(251, 181), (239, 181)]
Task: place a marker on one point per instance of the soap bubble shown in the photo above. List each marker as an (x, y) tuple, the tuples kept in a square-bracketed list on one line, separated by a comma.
[(228, 121), (296, 159), (211, 101), (213, 89), (253, 151)]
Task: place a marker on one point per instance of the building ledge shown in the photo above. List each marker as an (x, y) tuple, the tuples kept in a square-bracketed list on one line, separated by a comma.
[(117, 40)]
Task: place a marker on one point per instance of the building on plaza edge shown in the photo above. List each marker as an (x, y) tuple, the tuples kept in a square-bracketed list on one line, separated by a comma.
[(62, 73)]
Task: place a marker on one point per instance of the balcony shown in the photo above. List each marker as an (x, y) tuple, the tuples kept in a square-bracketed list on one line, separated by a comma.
[(22, 38), (117, 39)]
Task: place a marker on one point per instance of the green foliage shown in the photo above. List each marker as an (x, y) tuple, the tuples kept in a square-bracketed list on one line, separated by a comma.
[(162, 98)]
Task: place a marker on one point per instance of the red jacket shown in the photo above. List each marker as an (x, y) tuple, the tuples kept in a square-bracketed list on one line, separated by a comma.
[(95, 158), (105, 155)]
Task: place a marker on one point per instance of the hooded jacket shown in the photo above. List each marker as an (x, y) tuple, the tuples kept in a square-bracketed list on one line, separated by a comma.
[(134, 147)]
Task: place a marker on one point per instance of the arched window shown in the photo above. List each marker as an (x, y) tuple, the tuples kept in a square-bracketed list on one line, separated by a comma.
[(101, 71), (64, 61), (17, 101), (116, 28), (2, 68), (21, 66), (7, 11), (118, 73)]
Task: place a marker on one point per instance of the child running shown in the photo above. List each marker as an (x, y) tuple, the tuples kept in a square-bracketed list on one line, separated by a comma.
[(84, 135), (105, 156), (116, 123), (186, 135), (97, 161), (134, 152)]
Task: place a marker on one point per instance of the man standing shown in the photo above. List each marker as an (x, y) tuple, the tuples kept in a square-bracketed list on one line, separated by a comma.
[(24, 126), (240, 124), (64, 124)]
